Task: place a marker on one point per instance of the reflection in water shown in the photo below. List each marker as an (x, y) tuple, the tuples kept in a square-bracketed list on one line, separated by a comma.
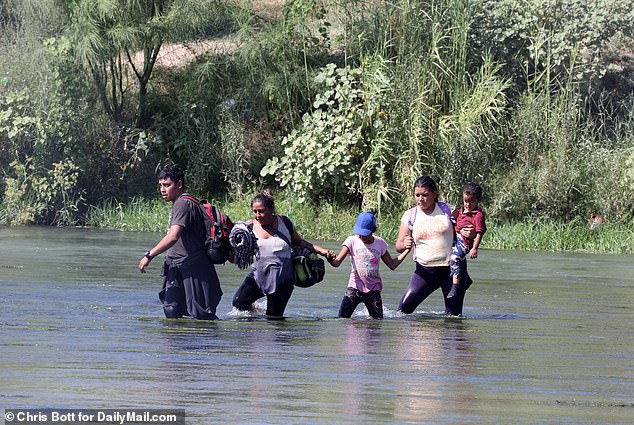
[(184, 347), (225, 364), (360, 340), (431, 351)]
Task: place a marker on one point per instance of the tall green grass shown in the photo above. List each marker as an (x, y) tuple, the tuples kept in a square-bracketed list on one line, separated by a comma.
[(575, 235), (329, 222), (313, 222), (138, 215)]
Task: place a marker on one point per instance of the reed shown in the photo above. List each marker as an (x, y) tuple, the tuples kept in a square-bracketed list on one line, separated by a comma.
[(330, 222), (138, 215), (323, 222), (575, 235)]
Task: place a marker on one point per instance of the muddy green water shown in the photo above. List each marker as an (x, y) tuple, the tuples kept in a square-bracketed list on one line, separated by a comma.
[(547, 338)]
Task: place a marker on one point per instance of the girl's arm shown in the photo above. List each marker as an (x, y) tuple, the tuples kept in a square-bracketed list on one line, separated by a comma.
[(393, 263), (404, 239), (336, 261)]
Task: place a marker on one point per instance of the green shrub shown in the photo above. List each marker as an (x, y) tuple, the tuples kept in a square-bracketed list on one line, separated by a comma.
[(560, 166), (415, 87), (323, 156), (530, 35), (43, 126)]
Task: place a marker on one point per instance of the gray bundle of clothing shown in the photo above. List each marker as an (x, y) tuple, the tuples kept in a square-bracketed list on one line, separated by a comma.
[(244, 243)]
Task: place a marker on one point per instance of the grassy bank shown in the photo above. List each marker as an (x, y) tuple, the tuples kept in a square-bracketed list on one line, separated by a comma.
[(560, 236), (323, 222), (327, 222), (320, 99)]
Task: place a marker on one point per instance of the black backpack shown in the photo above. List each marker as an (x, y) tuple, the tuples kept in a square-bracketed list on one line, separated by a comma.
[(217, 229)]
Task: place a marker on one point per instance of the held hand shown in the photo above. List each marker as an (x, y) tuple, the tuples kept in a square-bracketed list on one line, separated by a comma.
[(468, 232), (323, 252), (408, 242)]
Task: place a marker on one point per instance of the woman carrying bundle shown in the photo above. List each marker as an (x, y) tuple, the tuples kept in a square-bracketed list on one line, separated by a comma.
[(272, 275)]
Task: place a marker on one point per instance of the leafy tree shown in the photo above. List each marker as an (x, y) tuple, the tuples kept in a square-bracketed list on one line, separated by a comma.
[(112, 35)]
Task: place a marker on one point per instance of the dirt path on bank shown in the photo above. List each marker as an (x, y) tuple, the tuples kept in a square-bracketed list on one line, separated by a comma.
[(181, 54)]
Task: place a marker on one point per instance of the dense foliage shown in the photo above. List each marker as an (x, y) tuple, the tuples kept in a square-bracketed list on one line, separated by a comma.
[(339, 102)]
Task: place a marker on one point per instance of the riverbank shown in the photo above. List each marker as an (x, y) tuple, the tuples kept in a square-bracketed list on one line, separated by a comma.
[(327, 222)]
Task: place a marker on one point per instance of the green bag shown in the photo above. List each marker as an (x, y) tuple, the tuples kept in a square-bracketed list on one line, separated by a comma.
[(309, 268)]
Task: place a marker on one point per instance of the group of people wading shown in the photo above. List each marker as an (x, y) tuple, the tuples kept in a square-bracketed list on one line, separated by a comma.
[(439, 237)]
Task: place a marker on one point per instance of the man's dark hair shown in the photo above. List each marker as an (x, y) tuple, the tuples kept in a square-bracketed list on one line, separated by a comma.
[(473, 189), (173, 173)]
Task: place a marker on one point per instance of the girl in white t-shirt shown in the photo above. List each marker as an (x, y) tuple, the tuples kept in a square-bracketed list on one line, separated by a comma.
[(366, 251)]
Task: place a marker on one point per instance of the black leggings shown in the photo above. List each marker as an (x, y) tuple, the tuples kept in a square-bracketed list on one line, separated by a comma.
[(354, 297), (249, 292), (426, 280)]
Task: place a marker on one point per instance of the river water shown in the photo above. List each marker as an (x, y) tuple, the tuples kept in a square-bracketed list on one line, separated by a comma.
[(547, 338)]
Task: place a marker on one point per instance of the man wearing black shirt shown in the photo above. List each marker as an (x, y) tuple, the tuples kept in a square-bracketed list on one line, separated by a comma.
[(191, 286)]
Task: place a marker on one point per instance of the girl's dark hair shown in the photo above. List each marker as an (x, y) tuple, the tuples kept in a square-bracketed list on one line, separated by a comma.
[(473, 189), (265, 199), (427, 182), (173, 173)]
